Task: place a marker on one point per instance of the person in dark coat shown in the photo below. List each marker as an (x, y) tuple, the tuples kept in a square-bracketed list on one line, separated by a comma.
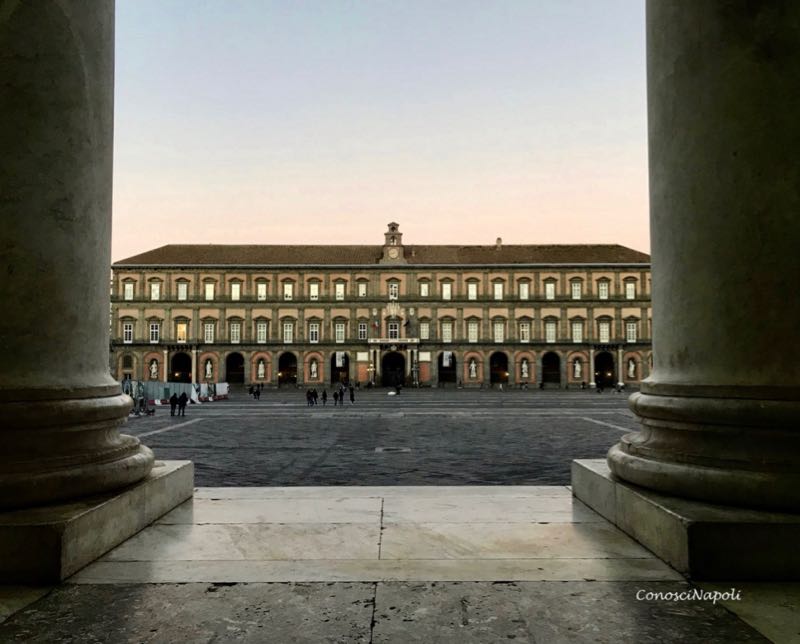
[(335, 398), (182, 404), (352, 395), (324, 397), (173, 403)]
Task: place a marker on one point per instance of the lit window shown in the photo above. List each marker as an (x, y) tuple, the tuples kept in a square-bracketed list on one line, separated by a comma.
[(630, 290), (261, 332), (472, 331), (394, 290), (424, 330), (577, 331), (313, 291), (550, 331), (447, 291), (208, 332), (631, 331), (576, 290), (602, 290), (338, 332), (604, 328), (524, 331), (394, 330), (362, 330), (550, 290), (236, 332), (339, 286), (447, 331), (498, 290), (288, 291), (261, 291), (183, 291), (313, 332), (181, 331), (209, 291), (127, 332), (524, 290), (472, 290), (499, 331), (155, 331), (288, 332), (155, 290), (127, 288), (424, 289), (362, 289), (236, 291)]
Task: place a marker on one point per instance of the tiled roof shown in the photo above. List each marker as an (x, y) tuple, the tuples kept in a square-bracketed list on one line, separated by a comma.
[(218, 254)]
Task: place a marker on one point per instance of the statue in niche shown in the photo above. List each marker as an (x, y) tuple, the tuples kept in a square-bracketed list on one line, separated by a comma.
[(631, 368), (473, 368), (312, 369), (209, 369), (577, 368), (261, 369), (154, 369), (523, 369)]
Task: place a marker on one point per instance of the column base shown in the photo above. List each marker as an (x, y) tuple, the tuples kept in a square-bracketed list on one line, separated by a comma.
[(47, 544), (702, 541)]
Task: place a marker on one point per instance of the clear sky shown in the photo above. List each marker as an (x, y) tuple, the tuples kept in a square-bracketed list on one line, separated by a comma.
[(319, 121)]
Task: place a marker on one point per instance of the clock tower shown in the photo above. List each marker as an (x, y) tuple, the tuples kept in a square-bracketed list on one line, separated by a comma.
[(393, 251)]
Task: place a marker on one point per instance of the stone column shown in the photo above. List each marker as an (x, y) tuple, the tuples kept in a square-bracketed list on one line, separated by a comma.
[(720, 412), (60, 408), (165, 362), (592, 383), (194, 365), (620, 372)]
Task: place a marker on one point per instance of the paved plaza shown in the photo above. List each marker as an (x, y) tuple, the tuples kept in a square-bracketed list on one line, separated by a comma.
[(420, 437)]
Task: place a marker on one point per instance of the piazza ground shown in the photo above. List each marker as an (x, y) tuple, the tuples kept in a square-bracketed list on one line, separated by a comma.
[(421, 437)]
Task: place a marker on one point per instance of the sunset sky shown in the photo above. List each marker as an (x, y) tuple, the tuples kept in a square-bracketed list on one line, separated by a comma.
[(252, 121)]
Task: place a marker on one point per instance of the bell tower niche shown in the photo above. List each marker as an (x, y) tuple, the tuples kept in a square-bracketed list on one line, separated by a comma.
[(393, 251)]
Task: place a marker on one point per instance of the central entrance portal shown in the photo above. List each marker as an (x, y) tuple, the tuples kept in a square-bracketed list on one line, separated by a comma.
[(234, 368), (393, 369), (340, 373), (287, 369), (604, 369), (181, 368)]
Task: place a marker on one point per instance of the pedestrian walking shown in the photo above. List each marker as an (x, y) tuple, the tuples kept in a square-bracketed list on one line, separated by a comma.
[(352, 395), (324, 397), (173, 403), (335, 398), (314, 395), (257, 393), (182, 400)]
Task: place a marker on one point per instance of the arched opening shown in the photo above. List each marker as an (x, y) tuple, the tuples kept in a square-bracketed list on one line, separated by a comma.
[(180, 368), (287, 369), (234, 368), (604, 369), (393, 369), (498, 368), (551, 369), (447, 372), (340, 367), (127, 361)]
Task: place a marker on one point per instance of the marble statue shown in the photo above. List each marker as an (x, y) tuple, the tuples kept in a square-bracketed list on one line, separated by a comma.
[(313, 369), (209, 369), (261, 369), (524, 368), (154, 369), (631, 368), (473, 368), (577, 368)]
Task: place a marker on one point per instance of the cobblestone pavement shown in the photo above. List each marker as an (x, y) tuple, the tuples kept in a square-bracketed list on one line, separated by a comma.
[(421, 437)]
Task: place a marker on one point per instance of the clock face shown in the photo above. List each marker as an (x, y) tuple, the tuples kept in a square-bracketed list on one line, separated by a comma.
[(394, 253)]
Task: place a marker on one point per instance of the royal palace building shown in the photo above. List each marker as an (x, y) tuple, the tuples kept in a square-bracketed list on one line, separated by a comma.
[(433, 315)]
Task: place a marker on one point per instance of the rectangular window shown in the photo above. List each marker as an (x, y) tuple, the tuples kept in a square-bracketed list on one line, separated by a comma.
[(261, 291), (127, 332), (577, 331), (339, 290), (208, 332), (181, 331), (576, 290), (524, 331), (499, 331), (472, 291), (630, 290), (424, 330), (288, 291), (209, 291), (424, 289), (447, 331), (183, 291), (604, 331), (236, 332), (261, 332), (236, 291), (602, 290), (313, 332), (155, 329), (394, 330), (127, 289), (338, 332), (630, 331), (362, 289), (288, 332), (394, 290), (524, 290), (447, 291), (313, 291), (498, 290), (550, 331), (362, 330), (155, 290), (472, 331), (550, 290)]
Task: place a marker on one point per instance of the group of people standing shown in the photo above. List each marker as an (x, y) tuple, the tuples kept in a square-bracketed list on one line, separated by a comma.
[(255, 390), (179, 403), (339, 395)]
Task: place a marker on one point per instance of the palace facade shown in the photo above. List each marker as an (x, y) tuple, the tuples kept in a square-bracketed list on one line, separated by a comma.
[(433, 315)]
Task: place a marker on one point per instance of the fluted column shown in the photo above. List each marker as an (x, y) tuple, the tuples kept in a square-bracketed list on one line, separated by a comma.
[(59, 406), (720, 412)]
